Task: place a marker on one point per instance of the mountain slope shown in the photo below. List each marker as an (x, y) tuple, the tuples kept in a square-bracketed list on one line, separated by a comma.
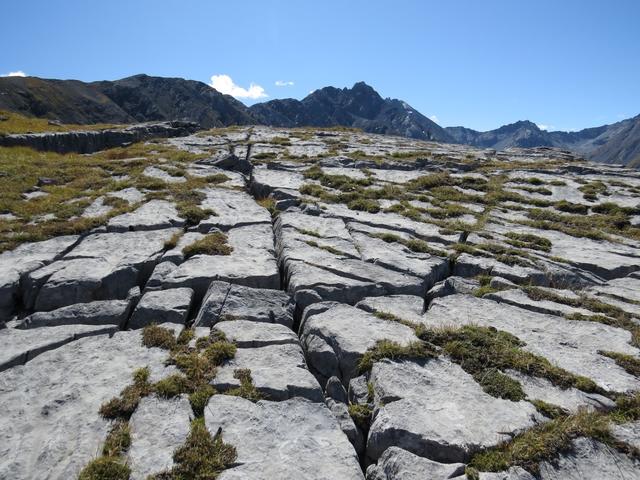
[(144, 98), (147, 98), (360, 106), (615, 143), (134, 99)]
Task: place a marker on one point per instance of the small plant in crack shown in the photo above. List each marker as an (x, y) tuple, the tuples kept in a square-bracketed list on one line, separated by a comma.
[(211, 244), (361, 416), (246, 389), (202, 456)]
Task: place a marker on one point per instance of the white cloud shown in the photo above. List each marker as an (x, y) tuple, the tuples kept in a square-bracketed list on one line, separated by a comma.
[(434, 118), (543, 126), (282, 83), (17, 73), (224, 84)]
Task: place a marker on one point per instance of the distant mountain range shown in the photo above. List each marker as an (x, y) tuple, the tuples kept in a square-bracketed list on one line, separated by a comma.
[(143, 98)]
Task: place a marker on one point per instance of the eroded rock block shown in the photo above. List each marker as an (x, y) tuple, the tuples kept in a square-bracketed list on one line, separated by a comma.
[(289, 439), (171, 306), (438, 411)]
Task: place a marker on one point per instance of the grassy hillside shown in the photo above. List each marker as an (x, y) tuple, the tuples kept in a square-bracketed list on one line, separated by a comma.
[(16, 123)]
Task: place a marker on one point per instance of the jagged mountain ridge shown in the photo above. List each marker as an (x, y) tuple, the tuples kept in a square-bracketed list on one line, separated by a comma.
[(145, 98), (360, 106), (615, 143), (139, 98)]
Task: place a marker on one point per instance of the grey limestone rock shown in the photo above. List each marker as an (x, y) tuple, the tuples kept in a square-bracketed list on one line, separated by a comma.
[(570, 344), (162, 306), (278, 371), (251, 334), (50, 405), (252, 263), (335, 340), (335, 390), (100, 312), (229, 301), (153, 215), (437, 410), (158, 427), (20, 346), (398, 464), (590, 460), (102, 266), (24, 259), (290, 439)]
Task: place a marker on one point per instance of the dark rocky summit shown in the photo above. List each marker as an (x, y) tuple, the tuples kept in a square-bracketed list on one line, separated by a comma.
[(360, 107), (140, 98), (258, 302)]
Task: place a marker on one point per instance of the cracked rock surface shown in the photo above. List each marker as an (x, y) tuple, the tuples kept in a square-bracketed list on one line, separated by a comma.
[(325, 304)]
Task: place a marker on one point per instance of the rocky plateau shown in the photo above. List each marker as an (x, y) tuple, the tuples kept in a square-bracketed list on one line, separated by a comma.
[(320, 303)]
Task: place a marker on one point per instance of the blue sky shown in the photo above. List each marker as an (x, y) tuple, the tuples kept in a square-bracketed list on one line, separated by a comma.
[(566, 64)]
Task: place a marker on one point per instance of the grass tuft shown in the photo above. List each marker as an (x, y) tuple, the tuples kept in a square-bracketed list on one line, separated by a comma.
[(246, 389), (394, 351), (118, 441), (123, 406), (105, 468), (161, 337), (201, 457), (212, 244)]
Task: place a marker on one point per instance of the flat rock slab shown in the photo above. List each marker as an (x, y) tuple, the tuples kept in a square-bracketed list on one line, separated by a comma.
[(570, 344), (97, 208), (405, 307), (398, 464), (290, 439), (336, 337), (396, 256), (278, 371), (628, 433), (520, 299), (249, 334), (514, 473), (233, 208), (571, 399), (130, 195), (22, 260), (160, 174), (171, 306), (590, 460), (50, 426), (437, 410), (265, 180), (153, 215), (626, 289), (21, 346), (176, 254), (391, 221), (100, 312), (252, 263), (158, 427), (321, 227), (293, 248), (236, 302), (337, 275), (102, 266), (604, 258)]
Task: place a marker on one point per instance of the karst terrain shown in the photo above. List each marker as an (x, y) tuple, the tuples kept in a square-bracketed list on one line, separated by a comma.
[(257, 302)]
